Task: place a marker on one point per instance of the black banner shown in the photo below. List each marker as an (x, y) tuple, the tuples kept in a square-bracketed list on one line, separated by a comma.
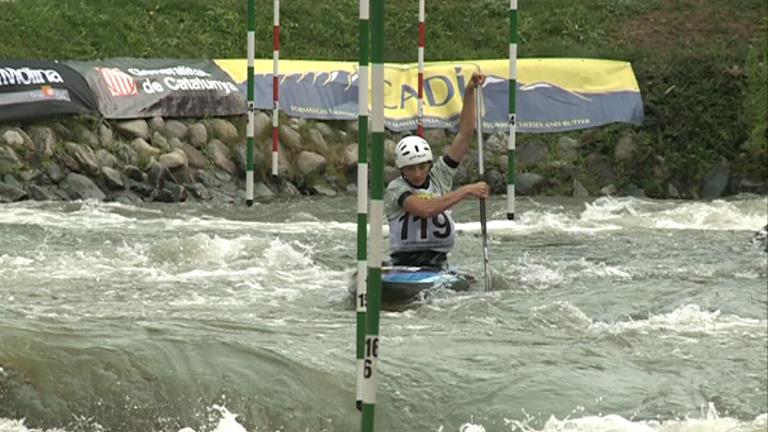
[(32, 89), (135, 88)]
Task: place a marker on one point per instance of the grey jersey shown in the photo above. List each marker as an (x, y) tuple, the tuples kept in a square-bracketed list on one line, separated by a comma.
[(412, 233)]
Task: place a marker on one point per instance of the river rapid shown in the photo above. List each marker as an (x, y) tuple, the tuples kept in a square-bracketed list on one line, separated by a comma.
[(606, 315)]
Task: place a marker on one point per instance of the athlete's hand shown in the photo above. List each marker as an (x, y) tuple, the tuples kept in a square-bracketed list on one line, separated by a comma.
[(477, 190), (478, 78)]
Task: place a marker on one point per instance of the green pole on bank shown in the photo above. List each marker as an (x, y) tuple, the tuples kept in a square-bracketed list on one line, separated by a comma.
[(361, 297), (251, 41), (370, 363), (511, 162)]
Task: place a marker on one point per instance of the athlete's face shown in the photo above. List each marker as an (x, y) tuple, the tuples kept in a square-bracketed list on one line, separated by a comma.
[(417, 174)]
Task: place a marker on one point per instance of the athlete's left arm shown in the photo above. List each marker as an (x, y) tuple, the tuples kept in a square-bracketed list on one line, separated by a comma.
[(460, 145)]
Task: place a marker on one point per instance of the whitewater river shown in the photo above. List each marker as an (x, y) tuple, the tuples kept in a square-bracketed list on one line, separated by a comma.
[(608, 315)]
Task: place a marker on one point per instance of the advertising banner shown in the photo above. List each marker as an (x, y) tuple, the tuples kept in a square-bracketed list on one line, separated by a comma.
[(137, 88), (554, 95), (32, 89)]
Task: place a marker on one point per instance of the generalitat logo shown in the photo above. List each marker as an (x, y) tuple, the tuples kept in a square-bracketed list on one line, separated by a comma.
[(118, 82)]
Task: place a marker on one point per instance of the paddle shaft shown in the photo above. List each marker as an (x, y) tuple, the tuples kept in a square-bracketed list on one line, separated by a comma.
[(481, 172)]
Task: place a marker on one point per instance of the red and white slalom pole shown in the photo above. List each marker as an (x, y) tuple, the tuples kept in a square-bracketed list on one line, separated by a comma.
[(422, 42), (275, 86)]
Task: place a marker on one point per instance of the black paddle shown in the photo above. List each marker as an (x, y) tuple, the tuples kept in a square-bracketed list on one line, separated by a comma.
[(481, 169)]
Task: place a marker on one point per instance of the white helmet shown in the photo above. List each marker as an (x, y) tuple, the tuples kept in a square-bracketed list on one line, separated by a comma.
[(412, 150)]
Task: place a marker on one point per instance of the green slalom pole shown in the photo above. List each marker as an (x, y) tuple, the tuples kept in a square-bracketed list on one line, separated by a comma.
[(370, 363), (511, 162), (361, 298), (251, 38)]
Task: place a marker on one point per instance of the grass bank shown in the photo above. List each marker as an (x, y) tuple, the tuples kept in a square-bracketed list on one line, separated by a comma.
[(701, 65)]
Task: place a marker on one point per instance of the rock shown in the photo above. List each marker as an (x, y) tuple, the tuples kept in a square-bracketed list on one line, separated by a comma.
[(495, 144), (223, 176), (496, 180), (157, 175), (262, 124), (160, 142), (715, 180), (323, 189), (752, 186), (296, 123), (435, 137), (105, 158), (316, 142), (310, 163), (262, 191), (672, 191), (134, 173), (38, 193), (133, 128), (67, 160), (9, 161), (11, 193), (531, 153), (112, 178), (529, 183), (350, 156), (85, 158), (220, 156), (86, 136), (199, 191), (80, 187), (568, 148), (608, 190), (224, 131), (106, 136), (172, 193), (156, 124), (389, 151), (290, 138), (18, 140), (55, 172), (126, 153), (207, 179), (173, 160), (143, 149), (289, 189), (175, 144), (175, 129), (142, 189), (43, 139), (326, 131), (198, 135), (579, 191), (599, 166), (11, 181), (633, 190), (625, 149), (195, 158)]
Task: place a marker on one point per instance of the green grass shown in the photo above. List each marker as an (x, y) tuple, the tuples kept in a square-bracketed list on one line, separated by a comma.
[(700, 64)]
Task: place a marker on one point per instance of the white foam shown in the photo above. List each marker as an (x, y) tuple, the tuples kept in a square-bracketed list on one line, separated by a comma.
[(690, 318)]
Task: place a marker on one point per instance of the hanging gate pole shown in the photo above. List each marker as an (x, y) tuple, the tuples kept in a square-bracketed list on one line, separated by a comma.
[(370, 363), (361, 292), (511, 163), (422, 42), (251, 41), (275, 87)]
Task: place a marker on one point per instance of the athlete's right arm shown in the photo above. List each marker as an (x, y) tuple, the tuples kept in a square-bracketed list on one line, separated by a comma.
[(425, 208)]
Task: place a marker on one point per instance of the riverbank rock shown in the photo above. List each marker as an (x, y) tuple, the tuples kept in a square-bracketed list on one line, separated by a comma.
[(173, 160)]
